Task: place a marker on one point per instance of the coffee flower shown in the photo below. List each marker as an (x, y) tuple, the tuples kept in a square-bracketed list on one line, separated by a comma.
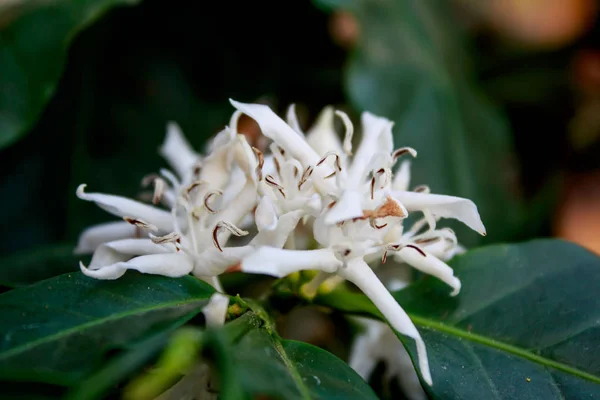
[(362, 211), (206, 201)]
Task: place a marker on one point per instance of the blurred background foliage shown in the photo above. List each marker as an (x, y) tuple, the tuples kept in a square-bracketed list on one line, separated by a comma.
[(500, 97)]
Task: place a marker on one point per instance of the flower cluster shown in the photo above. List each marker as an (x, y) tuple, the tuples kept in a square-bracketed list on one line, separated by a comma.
[(351, 198)]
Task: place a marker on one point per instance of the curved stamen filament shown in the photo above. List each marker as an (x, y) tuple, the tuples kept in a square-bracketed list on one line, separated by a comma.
[(422, 189), (271, 181), (261, 162), (208, 197), (347, 145), (402, 151), (141, 224), (305, 175), (172, 237), (230, 227)]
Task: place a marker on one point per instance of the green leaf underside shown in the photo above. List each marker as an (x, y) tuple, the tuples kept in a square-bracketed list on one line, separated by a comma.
[(33, 49), (411, 66), (527, 321), (267, 365), (58, 330)]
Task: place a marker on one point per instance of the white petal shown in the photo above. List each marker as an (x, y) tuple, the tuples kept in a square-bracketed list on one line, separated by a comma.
[(124, 207), (279, 263), (281, 133), (235, 211), (348, 206), (171, 265), (292, 119), (177, 151), (216, 310), (376, 138), (322, 136), (96, 235), (245, 157), (122, 250), (213, 262), (402, 177), (265, 214), (430, 265), (359, 273), (443, 206), (216, 166), (278, 236)]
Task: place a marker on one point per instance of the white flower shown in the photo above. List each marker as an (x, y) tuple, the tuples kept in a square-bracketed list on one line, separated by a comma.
[(191, 237), (216, 310), (362, 210), (345, 248)]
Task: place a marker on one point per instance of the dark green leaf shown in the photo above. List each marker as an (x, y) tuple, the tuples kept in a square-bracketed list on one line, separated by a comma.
[(60, 329), (27, 267), (118, 368), (411, 66), (266, 365), (525, 324), (32, 53)]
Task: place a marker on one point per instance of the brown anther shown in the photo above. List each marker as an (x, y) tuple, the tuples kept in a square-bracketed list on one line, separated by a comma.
[(271, 181), (159, 186), (230, 227), (402, 151), (417, 249), (305, 175), (331, 175), (172, 237), (337, 163), (346, 252), (379, 226), (381, 171), (330, 205), (208, 197), (384, 258), (277, 166), (261, 162), (215, 236), (140, 224), (295, 171), (282, 151), (422, 189), (197, 168), (193, 186), (372, 188), (430, 240)]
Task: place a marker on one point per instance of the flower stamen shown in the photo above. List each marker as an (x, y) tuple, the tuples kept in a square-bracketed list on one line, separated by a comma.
[(347, 145), (230, 227), (141, 224), (271, 181), (305, 175), (208, 197), (261, 162)]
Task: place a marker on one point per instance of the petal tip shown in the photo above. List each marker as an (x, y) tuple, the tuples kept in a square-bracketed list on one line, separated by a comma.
[(81, 191)]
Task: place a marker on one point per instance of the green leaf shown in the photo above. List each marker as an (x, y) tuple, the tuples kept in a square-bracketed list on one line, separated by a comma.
[(27, 267), (525, 324), (411, 66), (33, 48), (60, 329), (266, 365), (118, 368)]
